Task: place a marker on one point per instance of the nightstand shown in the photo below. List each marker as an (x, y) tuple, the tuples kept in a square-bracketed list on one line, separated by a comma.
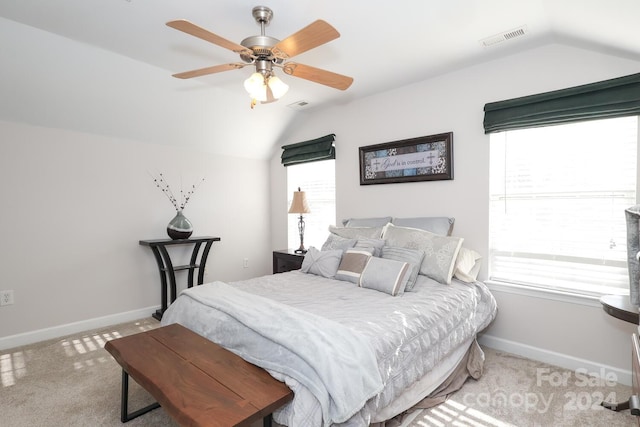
[(286, 260)]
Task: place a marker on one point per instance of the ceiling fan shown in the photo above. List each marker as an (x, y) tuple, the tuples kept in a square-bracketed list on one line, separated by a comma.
[(265, 53)]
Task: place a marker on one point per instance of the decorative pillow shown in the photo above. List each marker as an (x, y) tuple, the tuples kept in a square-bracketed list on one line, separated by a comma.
[(435, 224), (376, 244), (440, 252), (367, 222), (336, 242), (467, 265), (353, 262), (411, 256), (321, 263), (357, 232), (385, 275)]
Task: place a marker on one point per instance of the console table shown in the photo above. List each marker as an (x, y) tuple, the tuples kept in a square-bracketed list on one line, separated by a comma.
[(167, 269)]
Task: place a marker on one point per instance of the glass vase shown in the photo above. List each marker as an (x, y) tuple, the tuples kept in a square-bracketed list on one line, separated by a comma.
[(179, 227)]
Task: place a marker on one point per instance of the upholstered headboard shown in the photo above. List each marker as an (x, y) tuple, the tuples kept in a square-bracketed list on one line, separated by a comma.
[(435, 224)]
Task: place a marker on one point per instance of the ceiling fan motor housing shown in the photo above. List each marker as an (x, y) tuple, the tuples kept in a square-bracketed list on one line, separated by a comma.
[(261, 47)]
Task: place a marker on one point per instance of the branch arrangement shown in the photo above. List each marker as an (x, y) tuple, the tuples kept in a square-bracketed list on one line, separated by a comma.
[(166, 190)]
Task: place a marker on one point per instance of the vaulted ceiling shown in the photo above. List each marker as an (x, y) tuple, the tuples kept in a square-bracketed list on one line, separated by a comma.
[(383, 44)]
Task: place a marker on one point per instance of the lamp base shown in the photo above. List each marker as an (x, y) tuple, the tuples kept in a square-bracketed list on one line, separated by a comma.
[(300, 251)]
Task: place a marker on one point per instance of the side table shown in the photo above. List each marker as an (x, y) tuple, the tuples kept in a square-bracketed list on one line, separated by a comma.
[(621, 308), (286, 260), (166, 267)]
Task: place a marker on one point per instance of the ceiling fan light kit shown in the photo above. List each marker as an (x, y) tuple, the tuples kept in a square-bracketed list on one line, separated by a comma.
[(265, 53)]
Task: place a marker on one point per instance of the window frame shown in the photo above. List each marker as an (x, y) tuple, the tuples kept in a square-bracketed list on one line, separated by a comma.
[(573, 294)]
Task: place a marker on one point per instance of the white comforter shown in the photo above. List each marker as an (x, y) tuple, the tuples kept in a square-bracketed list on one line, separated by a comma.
[(409, 334)]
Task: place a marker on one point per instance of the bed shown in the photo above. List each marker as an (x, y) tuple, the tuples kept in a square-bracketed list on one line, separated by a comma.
[(361, 333)]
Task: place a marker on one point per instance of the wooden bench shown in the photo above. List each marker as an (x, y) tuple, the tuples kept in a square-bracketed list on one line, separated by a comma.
[(197, 382)]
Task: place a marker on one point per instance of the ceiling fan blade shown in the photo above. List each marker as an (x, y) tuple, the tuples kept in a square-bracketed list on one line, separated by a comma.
[(313, 35), (194, 30), (317, 75), (209, 70)]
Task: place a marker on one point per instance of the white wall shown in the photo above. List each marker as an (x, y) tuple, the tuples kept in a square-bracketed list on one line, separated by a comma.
[(561, 332), (75, 206)]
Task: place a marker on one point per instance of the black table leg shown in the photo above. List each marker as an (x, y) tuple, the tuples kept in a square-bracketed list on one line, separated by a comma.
[(125, 416)]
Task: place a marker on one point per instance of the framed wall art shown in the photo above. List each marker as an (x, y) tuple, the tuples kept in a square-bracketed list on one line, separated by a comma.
[(427, 158)]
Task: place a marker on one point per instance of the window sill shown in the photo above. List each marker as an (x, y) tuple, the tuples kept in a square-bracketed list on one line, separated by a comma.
[(592, 300)]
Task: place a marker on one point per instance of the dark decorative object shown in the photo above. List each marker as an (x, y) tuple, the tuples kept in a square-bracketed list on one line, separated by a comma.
[(179, 227), (427, 158)]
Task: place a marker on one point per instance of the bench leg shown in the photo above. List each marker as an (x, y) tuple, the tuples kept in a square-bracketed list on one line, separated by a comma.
[(266, 421), (124, 402)]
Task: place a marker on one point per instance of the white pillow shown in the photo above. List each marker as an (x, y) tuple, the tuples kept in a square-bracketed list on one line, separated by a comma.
[(440, 252), (321, 263), (467, 265)]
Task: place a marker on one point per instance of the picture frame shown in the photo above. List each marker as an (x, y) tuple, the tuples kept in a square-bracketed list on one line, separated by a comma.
[(426, 158)]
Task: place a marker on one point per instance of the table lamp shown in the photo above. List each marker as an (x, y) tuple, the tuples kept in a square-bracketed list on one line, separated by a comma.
[(299, 206)]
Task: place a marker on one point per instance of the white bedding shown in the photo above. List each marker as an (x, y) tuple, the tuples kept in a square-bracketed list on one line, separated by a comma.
[(409, 334)]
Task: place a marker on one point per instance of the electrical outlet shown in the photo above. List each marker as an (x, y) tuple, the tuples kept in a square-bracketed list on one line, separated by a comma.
[(6, 297), (245, 263)]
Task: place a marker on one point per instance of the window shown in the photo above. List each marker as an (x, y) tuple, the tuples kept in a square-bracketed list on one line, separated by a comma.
[(557, 201), (318, 181)]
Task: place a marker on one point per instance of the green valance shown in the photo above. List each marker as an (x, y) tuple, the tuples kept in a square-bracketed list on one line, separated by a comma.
[(606, 99), (313, 150)]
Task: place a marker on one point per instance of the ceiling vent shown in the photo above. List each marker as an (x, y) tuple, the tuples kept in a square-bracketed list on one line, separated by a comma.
[(299, 105), (505, 36)]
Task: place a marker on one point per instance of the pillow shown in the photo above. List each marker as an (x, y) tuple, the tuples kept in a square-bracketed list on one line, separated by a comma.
[(467, 265), (385, 275), (435, 224), (440, 252), (357, 232), (366, 222), (321, 263), (412, 256), (336, 242), (376, 244), (352, 264)]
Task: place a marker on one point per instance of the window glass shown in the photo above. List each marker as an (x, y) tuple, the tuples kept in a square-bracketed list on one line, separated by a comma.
[(557, 201), (318, 181)]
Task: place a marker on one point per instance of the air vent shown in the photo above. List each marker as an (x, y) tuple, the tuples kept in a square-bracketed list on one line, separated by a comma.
[(503, 37), (299, 105)]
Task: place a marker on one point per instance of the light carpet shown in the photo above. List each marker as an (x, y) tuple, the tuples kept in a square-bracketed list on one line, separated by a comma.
[(73, 381)]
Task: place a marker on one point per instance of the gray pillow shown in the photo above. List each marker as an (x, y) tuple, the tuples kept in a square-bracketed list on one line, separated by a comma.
[(357, 232), (440, 252), (435, 224), (336, 242), (367, 222), (376, 244), (353, 262), (412, 256), (385, 275), (321, 263)]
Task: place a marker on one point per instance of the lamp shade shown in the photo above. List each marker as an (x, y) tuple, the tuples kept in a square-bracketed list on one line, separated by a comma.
[(256, 87), (299, 203), (278, 87)]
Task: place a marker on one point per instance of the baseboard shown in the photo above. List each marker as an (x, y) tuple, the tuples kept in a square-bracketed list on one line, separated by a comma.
[(73, 328), (553, 358)]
